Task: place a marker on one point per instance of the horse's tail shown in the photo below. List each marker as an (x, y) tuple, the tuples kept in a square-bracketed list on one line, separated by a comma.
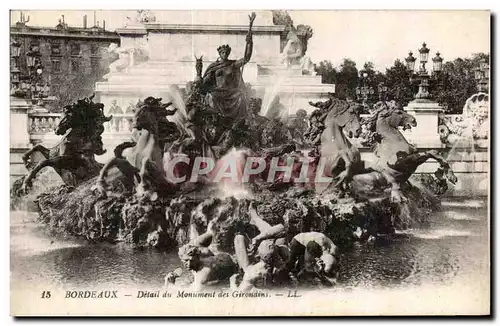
[(120, 148)]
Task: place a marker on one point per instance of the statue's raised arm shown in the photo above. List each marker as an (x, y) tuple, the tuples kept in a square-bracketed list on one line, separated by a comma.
[(249, 43)]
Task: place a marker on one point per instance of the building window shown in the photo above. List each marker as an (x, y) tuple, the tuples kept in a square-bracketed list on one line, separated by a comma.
[(94, 49), (55, 49), (13, 64), (74, 66), (75, 49), (56, 66)]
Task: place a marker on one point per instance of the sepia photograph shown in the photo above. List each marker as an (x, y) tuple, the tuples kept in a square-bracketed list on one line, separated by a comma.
[(249, 162)]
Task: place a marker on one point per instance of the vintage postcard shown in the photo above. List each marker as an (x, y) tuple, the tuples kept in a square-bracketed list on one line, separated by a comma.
[(249, 162)]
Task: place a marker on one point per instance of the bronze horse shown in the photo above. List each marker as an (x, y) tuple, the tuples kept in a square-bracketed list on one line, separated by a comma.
[(144, 160), (73, 157), (343, 159), (397, 159)]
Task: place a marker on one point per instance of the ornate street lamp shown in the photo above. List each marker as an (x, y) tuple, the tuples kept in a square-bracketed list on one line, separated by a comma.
[(15, 49), (437, 63), (364, 93), (422, 75), (424, 55), (478, 74), (38, 95), (482, 75), (410, 62), (35, 70), (39, 69)]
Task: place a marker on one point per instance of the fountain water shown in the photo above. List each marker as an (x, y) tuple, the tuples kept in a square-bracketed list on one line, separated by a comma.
[(176, 96), (270, 95), (272, 105), (465, 133), (228, 175)]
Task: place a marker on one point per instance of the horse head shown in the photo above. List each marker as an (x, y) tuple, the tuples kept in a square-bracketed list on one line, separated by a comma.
[(394, 115), (149, 114), (346, 116), (391, 114), (83, 114)]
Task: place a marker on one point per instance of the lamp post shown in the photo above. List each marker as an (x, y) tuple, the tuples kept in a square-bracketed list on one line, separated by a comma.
[(35, 71), (39, 89), (423, 75), (364, 92), (15, 50), (482, 76), (382, 91)]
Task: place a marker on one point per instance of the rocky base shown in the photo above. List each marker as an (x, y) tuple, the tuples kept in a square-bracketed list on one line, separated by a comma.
[(167, 222)]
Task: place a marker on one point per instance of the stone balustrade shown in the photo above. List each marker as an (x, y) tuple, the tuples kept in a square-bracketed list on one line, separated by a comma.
[(43, 122), (472, 168), (120, 124), (40, 123)]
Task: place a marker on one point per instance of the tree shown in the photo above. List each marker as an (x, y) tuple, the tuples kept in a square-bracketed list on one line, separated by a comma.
[(75, 86), (450, 88), (399, 86), (372, 80), (456, 82), (327, 72), (347, 79)]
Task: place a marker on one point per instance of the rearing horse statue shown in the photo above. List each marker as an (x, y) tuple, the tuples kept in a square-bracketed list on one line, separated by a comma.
[(73, 157), (343, 159), (397, 159), (144, 161)]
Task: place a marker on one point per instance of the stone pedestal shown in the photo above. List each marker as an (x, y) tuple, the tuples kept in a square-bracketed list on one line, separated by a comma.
[(177, 37), (19, 135), (426, 134)]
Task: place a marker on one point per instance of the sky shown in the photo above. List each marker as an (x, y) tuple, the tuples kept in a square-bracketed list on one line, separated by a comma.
[(370, 35)]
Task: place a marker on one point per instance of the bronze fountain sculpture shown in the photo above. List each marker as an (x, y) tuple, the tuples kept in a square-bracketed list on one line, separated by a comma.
[(133, 198)]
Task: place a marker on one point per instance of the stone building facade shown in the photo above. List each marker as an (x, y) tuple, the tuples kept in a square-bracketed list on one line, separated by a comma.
[(58, 63)]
